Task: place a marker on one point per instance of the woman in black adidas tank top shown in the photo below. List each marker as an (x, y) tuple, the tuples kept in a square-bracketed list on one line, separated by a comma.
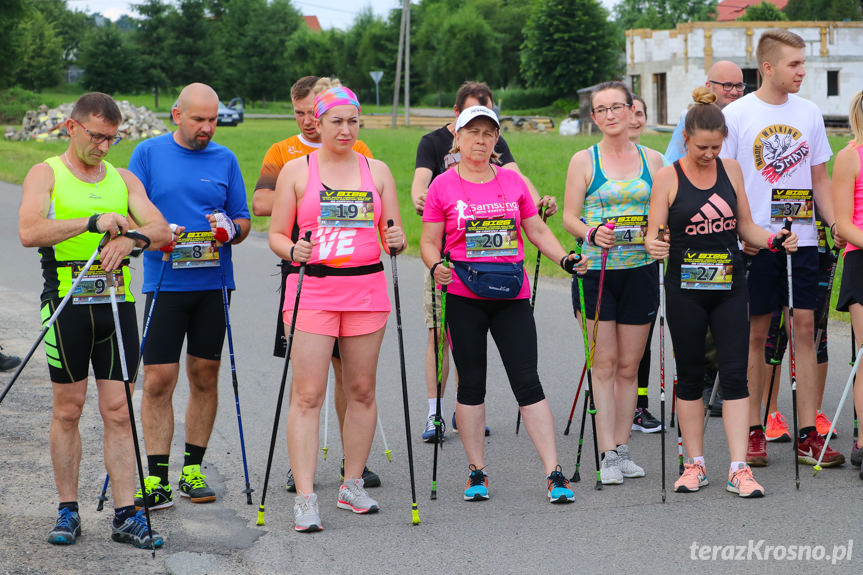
[(701, 200)]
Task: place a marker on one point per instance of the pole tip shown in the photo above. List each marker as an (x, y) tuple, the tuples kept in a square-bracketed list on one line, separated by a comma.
[(325, 449), (260, 516), (816, 469), (389, 454), (416, 515)]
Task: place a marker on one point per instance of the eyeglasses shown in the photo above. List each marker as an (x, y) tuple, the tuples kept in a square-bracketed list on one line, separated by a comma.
[(615, 109), (728, 86), (99, 139)]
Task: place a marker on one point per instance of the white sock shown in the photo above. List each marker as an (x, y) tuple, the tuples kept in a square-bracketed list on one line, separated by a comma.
[(735, 465), (699, 460), (433, 406)]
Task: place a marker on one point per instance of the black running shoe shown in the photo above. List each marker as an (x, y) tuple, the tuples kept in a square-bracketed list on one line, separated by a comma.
[(8, 362), (134, 530), (290, 485), (644, 422), (67, 529), (158, 496), (370, 478), (193, 484)]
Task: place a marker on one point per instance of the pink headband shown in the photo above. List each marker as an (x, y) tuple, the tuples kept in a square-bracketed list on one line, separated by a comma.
[(338, 96)]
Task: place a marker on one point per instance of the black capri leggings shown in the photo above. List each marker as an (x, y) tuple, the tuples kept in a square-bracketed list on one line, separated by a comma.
[(690, 312), (514, 331)]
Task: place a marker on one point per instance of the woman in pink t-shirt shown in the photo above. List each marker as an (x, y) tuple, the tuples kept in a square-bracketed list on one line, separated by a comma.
[(848, 207), (344, 200), (481, 210)]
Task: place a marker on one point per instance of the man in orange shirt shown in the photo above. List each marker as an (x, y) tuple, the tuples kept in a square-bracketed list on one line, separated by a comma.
[(303, 94)]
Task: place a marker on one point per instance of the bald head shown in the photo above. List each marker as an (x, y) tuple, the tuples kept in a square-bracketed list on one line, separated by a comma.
[(725, 72), (195, 114)]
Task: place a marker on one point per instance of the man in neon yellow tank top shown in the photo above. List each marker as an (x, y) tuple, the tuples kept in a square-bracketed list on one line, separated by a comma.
[(68, 203)]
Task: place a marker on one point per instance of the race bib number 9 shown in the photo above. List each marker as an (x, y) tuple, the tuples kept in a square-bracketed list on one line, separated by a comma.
[(706, 270), (195, 250), (628, 231), (795, 204), (95, 285), (347, 209), (491, 238)]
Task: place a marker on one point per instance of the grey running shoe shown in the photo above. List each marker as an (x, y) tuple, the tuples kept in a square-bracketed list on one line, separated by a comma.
[(67, 528), (609, 470), (307, 518), (291, 485), (856, 455), (627, 466), (352, 496), (134, 530)]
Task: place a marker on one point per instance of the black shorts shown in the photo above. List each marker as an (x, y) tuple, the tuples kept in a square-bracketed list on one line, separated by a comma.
[(768, 281), (178, 315), (280, 346), (630, 296), (851, 289), (83, 335)]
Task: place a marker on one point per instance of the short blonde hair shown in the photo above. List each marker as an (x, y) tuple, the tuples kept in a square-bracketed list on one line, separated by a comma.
[(855, 118), (772, 41)]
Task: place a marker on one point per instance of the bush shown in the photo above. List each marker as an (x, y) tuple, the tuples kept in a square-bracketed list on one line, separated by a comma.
[(15, 102), (523, 99)]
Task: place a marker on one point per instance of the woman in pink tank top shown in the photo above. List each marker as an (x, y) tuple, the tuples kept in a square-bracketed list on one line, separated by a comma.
[(345, 201), (848, 207)]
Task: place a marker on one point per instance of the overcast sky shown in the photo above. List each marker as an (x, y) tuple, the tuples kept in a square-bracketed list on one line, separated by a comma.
[(331, 13)]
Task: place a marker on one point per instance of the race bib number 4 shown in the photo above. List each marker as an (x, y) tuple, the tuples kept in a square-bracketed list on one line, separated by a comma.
[(628, 231), (347, 209), (795, 204), (491, 238), (95, 285), (706, 270), (195, 250)]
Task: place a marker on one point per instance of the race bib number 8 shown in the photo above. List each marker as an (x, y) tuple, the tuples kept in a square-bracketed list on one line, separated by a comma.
[(95, 285), (628, 231), (195, 250), (795, 204), (347, 209), (491, 238), (706, 270)]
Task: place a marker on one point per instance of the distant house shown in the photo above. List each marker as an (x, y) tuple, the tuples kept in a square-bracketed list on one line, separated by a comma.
[(730, 10), (664, 66), (312, 23)]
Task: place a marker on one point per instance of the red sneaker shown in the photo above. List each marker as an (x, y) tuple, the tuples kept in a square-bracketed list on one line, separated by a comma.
[(809, 450), (756, 452), (777, 428)]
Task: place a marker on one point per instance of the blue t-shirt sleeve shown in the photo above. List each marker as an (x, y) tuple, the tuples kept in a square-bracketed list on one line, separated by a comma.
[(136, 166), (676, 149), (237, 205)]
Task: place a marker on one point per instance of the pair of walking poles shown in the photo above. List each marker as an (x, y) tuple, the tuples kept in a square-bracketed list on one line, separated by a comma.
[(111, 280), (302, 270)]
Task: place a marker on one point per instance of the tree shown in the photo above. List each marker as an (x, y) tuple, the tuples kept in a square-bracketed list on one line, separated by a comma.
[(110, 61), (823, 10), (662, 14), (152, 39), (11, 13), (568, 45), (764, 12), (40, 57), (507, 18), (192, 45)]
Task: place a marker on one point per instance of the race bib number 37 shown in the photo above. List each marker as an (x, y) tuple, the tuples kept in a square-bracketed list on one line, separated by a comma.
[(347, 209), (628, 231), (706, 270), (195, 250), (95, 285), (491, 238), (795, 204)]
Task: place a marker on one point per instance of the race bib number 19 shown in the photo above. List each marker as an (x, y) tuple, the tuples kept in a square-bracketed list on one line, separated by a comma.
[(95, 286), (195, 250), (491, 238), (347, 209), (795, 204), (628, 231), (706, 270)]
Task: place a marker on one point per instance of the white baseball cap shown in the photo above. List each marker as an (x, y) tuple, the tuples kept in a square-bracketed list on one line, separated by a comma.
[(468, 115)]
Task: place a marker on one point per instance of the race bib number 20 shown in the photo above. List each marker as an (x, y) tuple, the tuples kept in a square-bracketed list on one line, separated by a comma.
[(485, 238)]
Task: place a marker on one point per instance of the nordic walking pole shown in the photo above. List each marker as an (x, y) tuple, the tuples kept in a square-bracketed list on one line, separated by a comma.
[(440, 353), (414, 511), (848, 387), (326, 448), (387, 451), (50, 322), (542, 214), (673, 391), (575, 399), (302, 271), (793, 364), (576, 477), (679, 436), (709, 407), (853, 411), (775, 361), (166, 257), (118, 335), (662, 360)]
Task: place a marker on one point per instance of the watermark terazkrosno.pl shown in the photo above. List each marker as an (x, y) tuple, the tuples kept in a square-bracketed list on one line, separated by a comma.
[(760, 550)]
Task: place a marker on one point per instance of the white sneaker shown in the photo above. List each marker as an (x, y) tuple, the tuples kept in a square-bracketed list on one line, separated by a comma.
[(627, 466), (307, 519), (352, 496), (609, 470)]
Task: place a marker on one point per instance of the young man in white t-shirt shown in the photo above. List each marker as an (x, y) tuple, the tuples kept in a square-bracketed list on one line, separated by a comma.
[(781, 144)]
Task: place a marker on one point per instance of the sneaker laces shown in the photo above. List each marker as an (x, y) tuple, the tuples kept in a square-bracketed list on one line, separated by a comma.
[(137, 525), (557, 479), (64, 519), (757, 441), (477, 476), (692, 468), (744, 475), (196, 479), (304, 504)]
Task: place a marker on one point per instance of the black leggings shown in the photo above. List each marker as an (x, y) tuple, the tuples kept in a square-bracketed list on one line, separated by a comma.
[(690, 313), (514, 331)]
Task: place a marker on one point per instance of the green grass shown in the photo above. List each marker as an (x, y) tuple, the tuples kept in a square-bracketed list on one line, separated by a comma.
[(542, 157)]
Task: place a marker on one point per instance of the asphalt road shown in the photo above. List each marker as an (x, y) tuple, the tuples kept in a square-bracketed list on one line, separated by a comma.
[(622, 529)]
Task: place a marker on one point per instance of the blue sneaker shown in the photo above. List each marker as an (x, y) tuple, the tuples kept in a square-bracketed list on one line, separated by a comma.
[(67, 529), (134, 530), (477, 485), (455, 428), (558, 488), (429, 435)]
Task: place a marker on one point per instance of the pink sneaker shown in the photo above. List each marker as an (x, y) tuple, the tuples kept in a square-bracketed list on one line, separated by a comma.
[(743, 484), (822, 425), (694, 477)]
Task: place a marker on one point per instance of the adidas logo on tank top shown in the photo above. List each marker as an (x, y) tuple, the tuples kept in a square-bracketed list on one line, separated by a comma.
[(714, 216)]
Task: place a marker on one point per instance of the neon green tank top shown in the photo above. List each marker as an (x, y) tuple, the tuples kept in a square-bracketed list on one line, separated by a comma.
[(72, 198)]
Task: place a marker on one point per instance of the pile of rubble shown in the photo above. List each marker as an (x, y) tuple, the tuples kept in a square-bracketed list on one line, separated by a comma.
[(49, 125)]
